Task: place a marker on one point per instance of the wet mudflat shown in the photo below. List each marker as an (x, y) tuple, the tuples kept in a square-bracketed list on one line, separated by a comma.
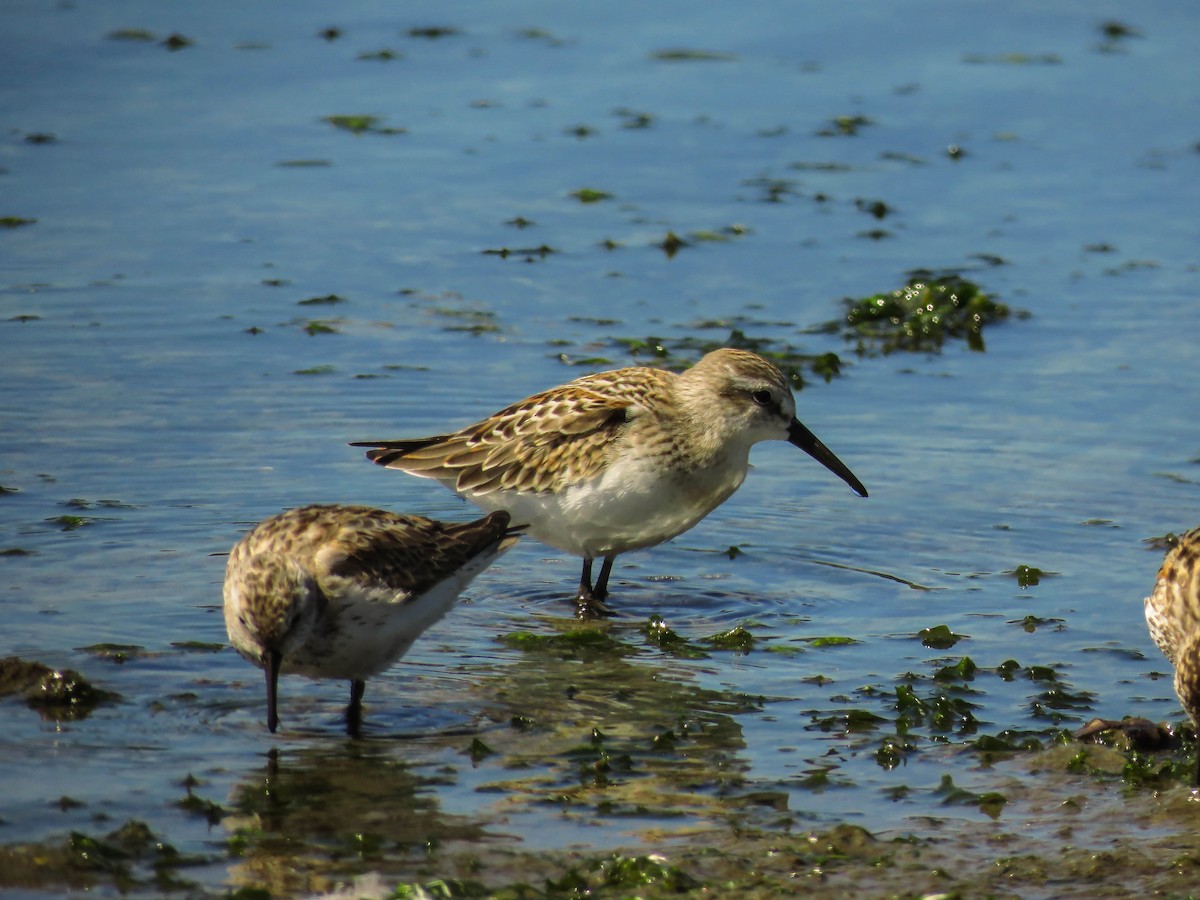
[(234, 240)]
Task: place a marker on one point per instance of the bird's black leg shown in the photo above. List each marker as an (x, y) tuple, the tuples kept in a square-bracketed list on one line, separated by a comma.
[(584, 594), (589, 600), (601, 589), (271, 663), (354, 710)]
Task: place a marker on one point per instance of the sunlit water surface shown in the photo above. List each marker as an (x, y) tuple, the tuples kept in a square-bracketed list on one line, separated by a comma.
[(161, 382)]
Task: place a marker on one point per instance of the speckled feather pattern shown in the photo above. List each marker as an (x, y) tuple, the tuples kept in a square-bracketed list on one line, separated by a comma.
[(569, 434), (619, 460), (1173, 615), (342, 591)]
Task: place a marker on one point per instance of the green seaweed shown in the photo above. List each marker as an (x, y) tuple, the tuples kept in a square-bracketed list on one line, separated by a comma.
[(56, 694), (433, 32), (141, 35), (685, 54), (919, 317), (385, 54), (738, 639), (939, 637), (591, 195), (362, 124), (658, 634), (575, 643)]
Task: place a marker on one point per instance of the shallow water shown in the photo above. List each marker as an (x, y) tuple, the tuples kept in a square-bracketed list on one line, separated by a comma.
[(161, 385)]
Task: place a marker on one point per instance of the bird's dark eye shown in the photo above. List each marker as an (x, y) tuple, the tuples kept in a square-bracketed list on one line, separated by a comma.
[(762, 398)]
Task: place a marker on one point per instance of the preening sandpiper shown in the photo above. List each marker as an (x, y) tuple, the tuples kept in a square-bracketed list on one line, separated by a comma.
[(1173, 615), (343, 591), (619, 460)]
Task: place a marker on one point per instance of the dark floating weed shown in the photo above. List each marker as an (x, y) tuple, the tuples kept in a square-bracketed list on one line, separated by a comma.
[(208, 810), (939, 637), (874, 234), (478, 751), (658, 634), (176, 41), (1029, 576), (331, 34), (528, 254), (362, 124), (315, 327), (117, 653), (892, 752), (738, 639), (70, 522), (1006, 742), (963, 670), (316, 370), (682, 54), (989, 803), (1012, 59), (720, 235), (632, 119), (575, 643), (876, 208), (198, 646), (132, 34), (942, 712), (672, 244), (830, 641), (540, 34), (774, 190), (1032, 623), (844, 126), (327, 300), (590, 195), (1115, 35), (1114, 30), (434, 32), (851, 721), (384, 55), (920, 316), (57, 694)]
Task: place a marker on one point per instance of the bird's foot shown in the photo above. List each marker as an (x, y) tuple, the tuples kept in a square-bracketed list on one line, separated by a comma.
[(1141, 734), (590, 606)]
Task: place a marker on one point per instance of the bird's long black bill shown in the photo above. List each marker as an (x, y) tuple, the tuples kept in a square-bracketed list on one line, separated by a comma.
[(801, 437)]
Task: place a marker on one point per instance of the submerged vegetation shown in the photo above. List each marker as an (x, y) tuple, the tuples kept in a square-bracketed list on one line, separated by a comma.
[(56, 694), (919, 317)]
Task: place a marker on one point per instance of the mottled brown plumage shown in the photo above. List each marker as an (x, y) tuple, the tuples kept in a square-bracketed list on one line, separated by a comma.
[(618, 460), (1173, 615), (343, 591)]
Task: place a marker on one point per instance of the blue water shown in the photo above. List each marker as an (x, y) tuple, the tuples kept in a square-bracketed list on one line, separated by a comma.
[(151, 338)]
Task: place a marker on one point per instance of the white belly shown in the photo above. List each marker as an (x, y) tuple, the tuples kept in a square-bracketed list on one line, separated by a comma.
[(634, 504)]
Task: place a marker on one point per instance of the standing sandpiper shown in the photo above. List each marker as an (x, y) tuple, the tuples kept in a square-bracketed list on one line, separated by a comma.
[(1173, 614), (619, 460), (343, 591)]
